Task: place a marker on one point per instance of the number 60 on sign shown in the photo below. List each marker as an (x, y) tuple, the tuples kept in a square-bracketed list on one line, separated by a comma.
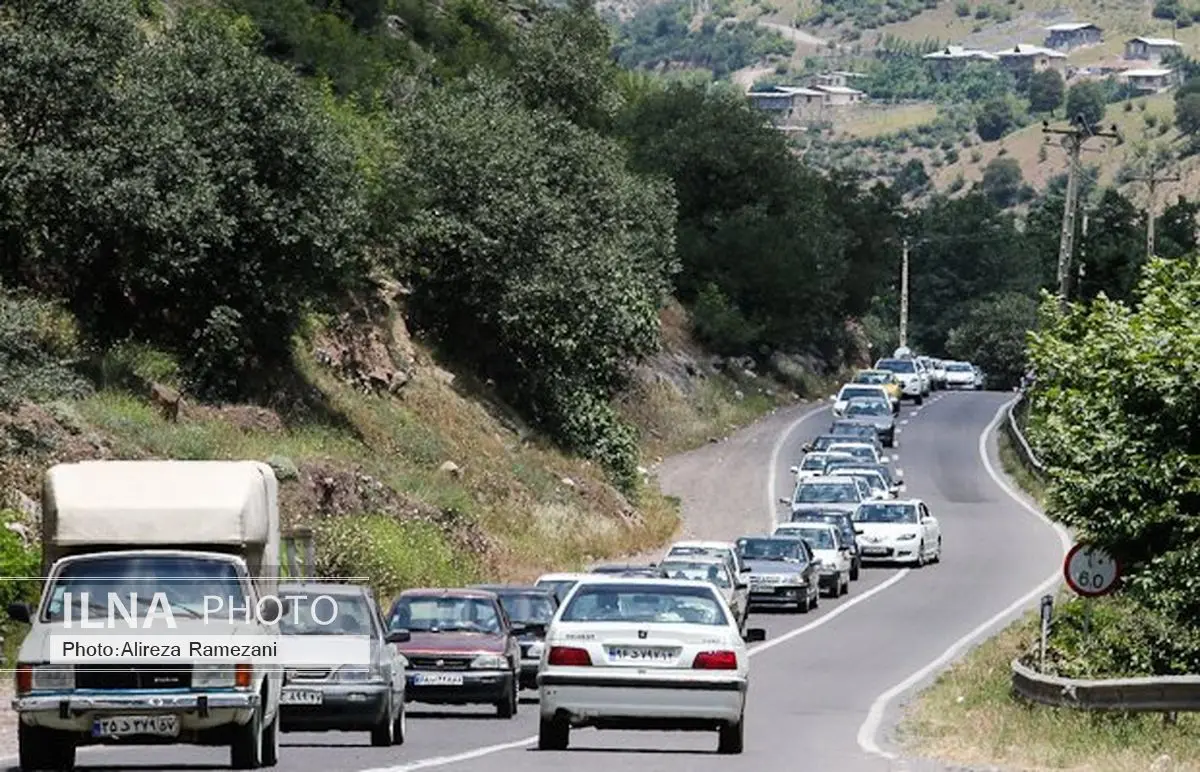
[(1090, 571)]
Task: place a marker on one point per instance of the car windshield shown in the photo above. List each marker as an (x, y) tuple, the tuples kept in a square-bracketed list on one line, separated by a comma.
[(645, 604), (852, 430), (771, 549), (959, 367), (143, 588), (867, 409), (817, 538), (321, 613), (862, 452), (897, 365), (828, 493), (814, 462), (879, 469), (527, 608), (837, 519), (873, 377), (560, 587), (851, 392), (445, 614), (886, 513), (683, 551), (715, 573), (823, 442)]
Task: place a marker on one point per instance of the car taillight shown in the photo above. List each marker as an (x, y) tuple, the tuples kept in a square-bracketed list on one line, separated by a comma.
[(243, 675), (24, 679), (569, 656), (715, 660)]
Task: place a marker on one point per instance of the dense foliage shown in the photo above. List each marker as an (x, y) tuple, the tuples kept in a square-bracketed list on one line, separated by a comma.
[(662, 34), (1116, 412), (866, 15)]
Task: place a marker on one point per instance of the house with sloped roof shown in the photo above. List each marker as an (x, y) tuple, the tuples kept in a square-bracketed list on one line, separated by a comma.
[(1075, 34), (1150, 80), (1023, 59), (789, 104), (1152, 49), (953, 58)]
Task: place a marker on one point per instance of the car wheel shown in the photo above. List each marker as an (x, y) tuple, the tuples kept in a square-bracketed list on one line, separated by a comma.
[(554, 734), (844, 587), (920, 400), (731, 738), (45, 749), (921, 555), (855, 567), (245, 752), (937, 556), (507, 707), (383, 734), (400, 727), (270, 742)]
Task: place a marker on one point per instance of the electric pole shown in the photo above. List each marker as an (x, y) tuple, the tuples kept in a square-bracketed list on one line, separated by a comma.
[(1152, 181), (904, 292), (1074, 139)]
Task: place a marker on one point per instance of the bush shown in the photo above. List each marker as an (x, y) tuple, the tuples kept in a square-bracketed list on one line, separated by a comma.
[(36, 342), (1123, 640), (16, 559)]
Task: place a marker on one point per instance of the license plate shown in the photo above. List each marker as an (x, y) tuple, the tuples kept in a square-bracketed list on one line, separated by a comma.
[(874, 550), (639, 654), (131, 726), (301, 697), (437, 679)]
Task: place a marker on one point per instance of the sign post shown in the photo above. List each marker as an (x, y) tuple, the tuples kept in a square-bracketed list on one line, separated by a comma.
[(1090, 572), (1047, 612)]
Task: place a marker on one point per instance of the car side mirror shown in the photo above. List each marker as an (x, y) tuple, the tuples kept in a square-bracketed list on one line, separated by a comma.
[(807, 447), (784, 500), (858, 531), (833, 398), (755, 635), (398, 636), (20, 612), (270, 610), (794, 469)]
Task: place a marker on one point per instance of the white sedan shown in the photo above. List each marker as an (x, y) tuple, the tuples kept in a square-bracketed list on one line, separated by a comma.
[(857, 391), (814, 463), (898, 531), (834, 559), (625, 653), (960, 375)]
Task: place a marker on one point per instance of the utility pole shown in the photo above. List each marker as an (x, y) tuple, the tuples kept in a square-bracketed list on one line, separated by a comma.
[(904, 292), (1074, 139), (1152, 181)]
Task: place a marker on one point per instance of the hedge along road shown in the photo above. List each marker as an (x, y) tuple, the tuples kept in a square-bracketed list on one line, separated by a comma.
[(824, 685)]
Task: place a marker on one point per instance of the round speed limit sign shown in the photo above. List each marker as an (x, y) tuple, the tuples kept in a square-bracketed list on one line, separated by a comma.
[(1090, 571)]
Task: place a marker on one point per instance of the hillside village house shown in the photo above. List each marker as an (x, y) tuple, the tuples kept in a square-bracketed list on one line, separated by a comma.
[(1065, 37), (1150, 81), (953, 58), (789, 104), (839, 78), (836, 96), (1151, 49), (1022, 58)]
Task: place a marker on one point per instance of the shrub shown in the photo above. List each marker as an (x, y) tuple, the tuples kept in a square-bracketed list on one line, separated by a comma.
[(16, 559), (36, 339)]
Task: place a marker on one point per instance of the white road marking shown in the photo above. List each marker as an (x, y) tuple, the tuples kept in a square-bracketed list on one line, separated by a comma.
[(895, 456), (903, 423), (772, 469), (867, 733)]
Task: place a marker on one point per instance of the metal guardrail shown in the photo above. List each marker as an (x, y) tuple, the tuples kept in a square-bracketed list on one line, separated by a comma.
[(1161, 694), (1012, 427)]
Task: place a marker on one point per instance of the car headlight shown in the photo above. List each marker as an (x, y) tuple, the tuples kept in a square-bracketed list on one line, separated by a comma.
[(359, 674), (45, 678), (906, 537), (213, 676), (535, 650), (489, 662), (796, 579)]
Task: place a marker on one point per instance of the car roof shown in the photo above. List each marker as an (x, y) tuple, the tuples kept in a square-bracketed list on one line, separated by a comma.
[(712, 545), (640, 581), (324, 588), (715, 560), (563, 576), (797, 524), (447, 592), (522, 589), (826, 480)]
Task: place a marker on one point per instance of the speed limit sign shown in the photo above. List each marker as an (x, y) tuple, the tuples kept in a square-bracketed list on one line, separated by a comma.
[(1090, 571)]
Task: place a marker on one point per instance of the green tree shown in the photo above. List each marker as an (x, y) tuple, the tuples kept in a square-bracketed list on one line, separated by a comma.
[(995, 119), (993, 334), (1175, 229), (912, 178), (1002, 181), (1114, 413), (1187, 113), (1114, 249), (1086, 99), (1046, 91), (542, 258)]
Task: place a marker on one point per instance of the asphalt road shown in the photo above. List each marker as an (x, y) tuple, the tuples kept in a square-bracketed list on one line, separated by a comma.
[(822, 683)]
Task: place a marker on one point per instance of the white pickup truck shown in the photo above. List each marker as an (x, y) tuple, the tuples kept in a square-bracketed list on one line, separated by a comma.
[(175, 532)]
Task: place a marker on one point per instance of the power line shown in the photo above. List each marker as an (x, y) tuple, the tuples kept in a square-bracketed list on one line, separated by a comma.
[(1152, 181)]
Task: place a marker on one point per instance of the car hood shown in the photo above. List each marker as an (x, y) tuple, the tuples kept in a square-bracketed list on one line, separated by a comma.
[(774, 567), (827, 556), (452, 643), (879, 422), (846, 506)]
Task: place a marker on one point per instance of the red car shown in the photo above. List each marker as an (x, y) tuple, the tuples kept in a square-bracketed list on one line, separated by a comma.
[(462, 650)]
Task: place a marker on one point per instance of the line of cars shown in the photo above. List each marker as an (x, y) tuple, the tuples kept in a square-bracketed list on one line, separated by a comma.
[(907, 376), (633, 646)]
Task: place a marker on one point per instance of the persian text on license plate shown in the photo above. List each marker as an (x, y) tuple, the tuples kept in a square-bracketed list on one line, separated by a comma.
[(301, 697), (639, 654), (875, 550), (132, 726), (437, 679)]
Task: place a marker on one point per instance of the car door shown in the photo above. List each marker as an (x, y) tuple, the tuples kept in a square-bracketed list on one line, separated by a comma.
[(390, 660), (512, 648), (741, 587), (929, 526), (810, 567)]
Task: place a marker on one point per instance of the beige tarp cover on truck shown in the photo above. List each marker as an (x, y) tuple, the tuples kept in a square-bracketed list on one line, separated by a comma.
[(159, 502)]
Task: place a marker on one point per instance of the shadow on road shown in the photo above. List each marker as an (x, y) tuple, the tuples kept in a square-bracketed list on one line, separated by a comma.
[(639, 751), (448, 715)]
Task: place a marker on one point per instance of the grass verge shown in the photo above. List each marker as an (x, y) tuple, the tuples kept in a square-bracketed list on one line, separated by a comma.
[(970, 717)]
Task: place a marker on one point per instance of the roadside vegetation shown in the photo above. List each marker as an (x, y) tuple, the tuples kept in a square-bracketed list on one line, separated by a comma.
[(1121, 434)]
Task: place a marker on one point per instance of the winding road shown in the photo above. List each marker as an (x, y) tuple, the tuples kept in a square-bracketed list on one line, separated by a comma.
[(827, 686)]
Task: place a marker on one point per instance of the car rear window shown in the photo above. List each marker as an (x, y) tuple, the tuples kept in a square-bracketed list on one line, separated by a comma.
[(645, 604), (897, 365)]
